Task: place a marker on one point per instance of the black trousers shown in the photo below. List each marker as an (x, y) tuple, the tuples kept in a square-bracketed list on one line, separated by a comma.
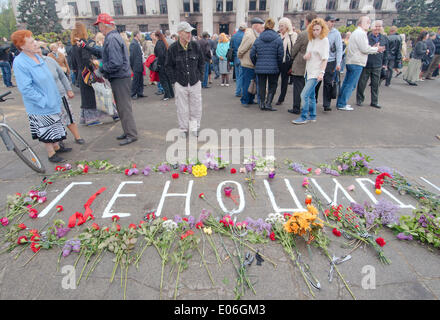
[(137, 84), (298, 85), (390, 66), (327, 91), (284, 81), (166, 84), (272, 79), (368, 73)]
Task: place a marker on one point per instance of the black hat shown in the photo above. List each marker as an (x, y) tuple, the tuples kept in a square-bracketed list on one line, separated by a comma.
[(257, 20), (331, 18)]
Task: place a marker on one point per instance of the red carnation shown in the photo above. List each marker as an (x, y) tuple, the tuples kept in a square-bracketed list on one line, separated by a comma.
[(60, 208), (309, 169), (118, 227), (115, 218), (35, 247), (202, 195), (22, 226), (371, 171), (95, 226), (233, 170), (175, 175), (336, 232), (164, 218), (22, 240), (199, 225), (86, 169), (132, 226), (272, 236), (126, 171), (380, 241)]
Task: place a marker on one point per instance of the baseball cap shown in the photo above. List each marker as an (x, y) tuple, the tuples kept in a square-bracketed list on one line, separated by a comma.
[(184, 26), (104, 18), (331, 18), (243, 26)]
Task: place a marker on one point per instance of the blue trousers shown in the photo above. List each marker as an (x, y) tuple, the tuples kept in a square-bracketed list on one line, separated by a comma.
[(6, 73), (206, 75), (350, 82), (238, 77), (308, 100), (247, 75)]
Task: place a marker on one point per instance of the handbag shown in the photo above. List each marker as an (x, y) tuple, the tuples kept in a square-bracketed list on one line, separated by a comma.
[(89, 77), (336, 85), (154, 65), (252, 87), (230, 54)]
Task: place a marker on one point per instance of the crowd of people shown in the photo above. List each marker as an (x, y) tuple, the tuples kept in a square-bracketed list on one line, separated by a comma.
[(110, 65)]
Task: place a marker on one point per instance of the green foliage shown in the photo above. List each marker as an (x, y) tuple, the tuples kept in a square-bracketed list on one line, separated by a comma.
[(418, 13), (7, 21), (345, 29), (39, 16)]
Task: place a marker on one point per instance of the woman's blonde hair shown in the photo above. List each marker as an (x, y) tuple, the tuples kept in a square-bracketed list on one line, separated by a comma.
[(99, 38), (222, 37), (318, 22), (287, 23), (269, 24)]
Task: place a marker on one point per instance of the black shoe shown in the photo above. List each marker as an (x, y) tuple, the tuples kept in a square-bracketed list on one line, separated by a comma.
[(121, 137), (376, 106), (80, 141), (56, 159), (271, 109), (245, 105), (63, 149), (127, 141), (327, 109), (412, 83), (207, 87), (141, 96), (279, 103), (159, 93), (294, 111), (269, 100), (359, 104), (262, 106)]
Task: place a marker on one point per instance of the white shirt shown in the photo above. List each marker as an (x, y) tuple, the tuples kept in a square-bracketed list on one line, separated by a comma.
[(319, 49), (358, 48)]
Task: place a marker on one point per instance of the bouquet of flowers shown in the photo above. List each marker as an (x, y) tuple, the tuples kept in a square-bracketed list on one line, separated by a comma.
[(349, 163)]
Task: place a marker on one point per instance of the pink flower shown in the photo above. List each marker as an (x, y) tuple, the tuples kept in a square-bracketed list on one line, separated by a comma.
[(42, 200), (350, 188), (318, 171), (305, 182), (4, 221), (242, 170)]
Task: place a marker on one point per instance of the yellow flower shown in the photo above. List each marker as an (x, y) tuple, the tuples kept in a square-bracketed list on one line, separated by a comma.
[(200, 170), (207, 230)]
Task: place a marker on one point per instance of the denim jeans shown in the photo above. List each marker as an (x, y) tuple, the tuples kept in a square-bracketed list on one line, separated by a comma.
[(350, 82), (238, 77), (206, 75), (159, 88), (6, 73), (215, 60), (247, 75), (308, 100)]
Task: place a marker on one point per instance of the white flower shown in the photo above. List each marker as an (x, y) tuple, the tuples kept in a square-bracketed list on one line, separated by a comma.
[(273, 218), (169, 225)]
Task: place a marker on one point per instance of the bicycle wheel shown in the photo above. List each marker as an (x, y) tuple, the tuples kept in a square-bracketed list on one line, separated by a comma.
[(25, 152)]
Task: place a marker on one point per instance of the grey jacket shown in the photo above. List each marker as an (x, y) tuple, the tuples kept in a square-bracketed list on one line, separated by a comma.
[(298, 52), (115, 58), (63, 84)]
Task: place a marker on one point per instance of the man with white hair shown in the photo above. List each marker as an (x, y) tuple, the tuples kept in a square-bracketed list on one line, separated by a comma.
[(185, 65), (373, 69), (358, 50), (116, 68)]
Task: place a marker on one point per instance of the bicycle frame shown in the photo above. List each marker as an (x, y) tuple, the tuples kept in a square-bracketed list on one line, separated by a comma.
[(5, 137)]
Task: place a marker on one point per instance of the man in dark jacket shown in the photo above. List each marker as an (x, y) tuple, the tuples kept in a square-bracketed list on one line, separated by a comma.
[(235, 44), (116, 68), (394, 54), (185, 64), (5, 65), (436, 56), (373, 69), (299, 64), (206, 52), (137, 66)]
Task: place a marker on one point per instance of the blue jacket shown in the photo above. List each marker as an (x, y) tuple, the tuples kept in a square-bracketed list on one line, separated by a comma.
[(37, 86), (236, 41), (267, 53), (115, 59)]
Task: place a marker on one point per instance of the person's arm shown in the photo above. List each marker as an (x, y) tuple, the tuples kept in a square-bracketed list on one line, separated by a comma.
[(25, 85), (339, 51), (64, 81), (253, 54), (170, 65), (280, 52), (245, 46), (66, 63), (297, 46), (115, 56), (385, 53), (363, 45), (324, 59), (200, 62)]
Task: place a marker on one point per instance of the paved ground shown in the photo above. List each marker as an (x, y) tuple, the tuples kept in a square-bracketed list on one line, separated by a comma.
[(401, 136)]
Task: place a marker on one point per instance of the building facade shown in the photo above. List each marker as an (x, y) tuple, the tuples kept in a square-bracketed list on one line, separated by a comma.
[(216, 16)]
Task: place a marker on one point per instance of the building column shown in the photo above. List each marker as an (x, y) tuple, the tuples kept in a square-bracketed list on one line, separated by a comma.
[(150, 6), (173, 15), (241, 14), (320, 5), (343, 5), (207, 13), (84, 8), (106, 7), (276, 11), (129, 7), (296, 5)]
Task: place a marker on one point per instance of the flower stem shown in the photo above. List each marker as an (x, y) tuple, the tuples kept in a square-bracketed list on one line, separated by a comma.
[(340, 275), (84, 267), (31, 258), (95, 263), (206, 266)]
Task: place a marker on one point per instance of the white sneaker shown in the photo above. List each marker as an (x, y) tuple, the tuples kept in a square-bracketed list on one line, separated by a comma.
[(222, 84), (346, 108), (227, 84)]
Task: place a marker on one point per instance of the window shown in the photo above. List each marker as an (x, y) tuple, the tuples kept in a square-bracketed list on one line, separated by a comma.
[(73, 8), (224, 28), (95, 8), (140, 5), (252, 5), (163, 6), (143, 27), (354, 4), (308, 5), (119, 11), (164, 27), (229, 5), (377, 4), (262, 5), (186, 6), (331, 4), (219, 6), (196, 6), (120, 28), (286, 5), (351, 22)]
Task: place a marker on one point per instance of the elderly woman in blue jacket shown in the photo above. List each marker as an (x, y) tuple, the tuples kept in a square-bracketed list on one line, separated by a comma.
[(267, 55), (40, 95)]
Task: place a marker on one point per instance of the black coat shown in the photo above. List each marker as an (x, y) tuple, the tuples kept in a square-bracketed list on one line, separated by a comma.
[(136, 58), (206, 49), (160, 51), (185, 66), (379, 59)]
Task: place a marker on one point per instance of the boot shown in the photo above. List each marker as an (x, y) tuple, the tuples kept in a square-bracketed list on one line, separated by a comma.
[(269, 100), (262, 105)]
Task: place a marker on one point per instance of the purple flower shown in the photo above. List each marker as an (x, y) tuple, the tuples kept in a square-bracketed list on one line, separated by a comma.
[(258, 226), (385, 169), (271, 174), (182, 168), (191, 221), (249, 167), (146, 171), (61, 232), (402, 236), (42, 194), (66, 250), (358, 209), (204, 215), (331, 172), (132, 171), (386, 211), (177, 219), (345, 167), (164, 168)]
